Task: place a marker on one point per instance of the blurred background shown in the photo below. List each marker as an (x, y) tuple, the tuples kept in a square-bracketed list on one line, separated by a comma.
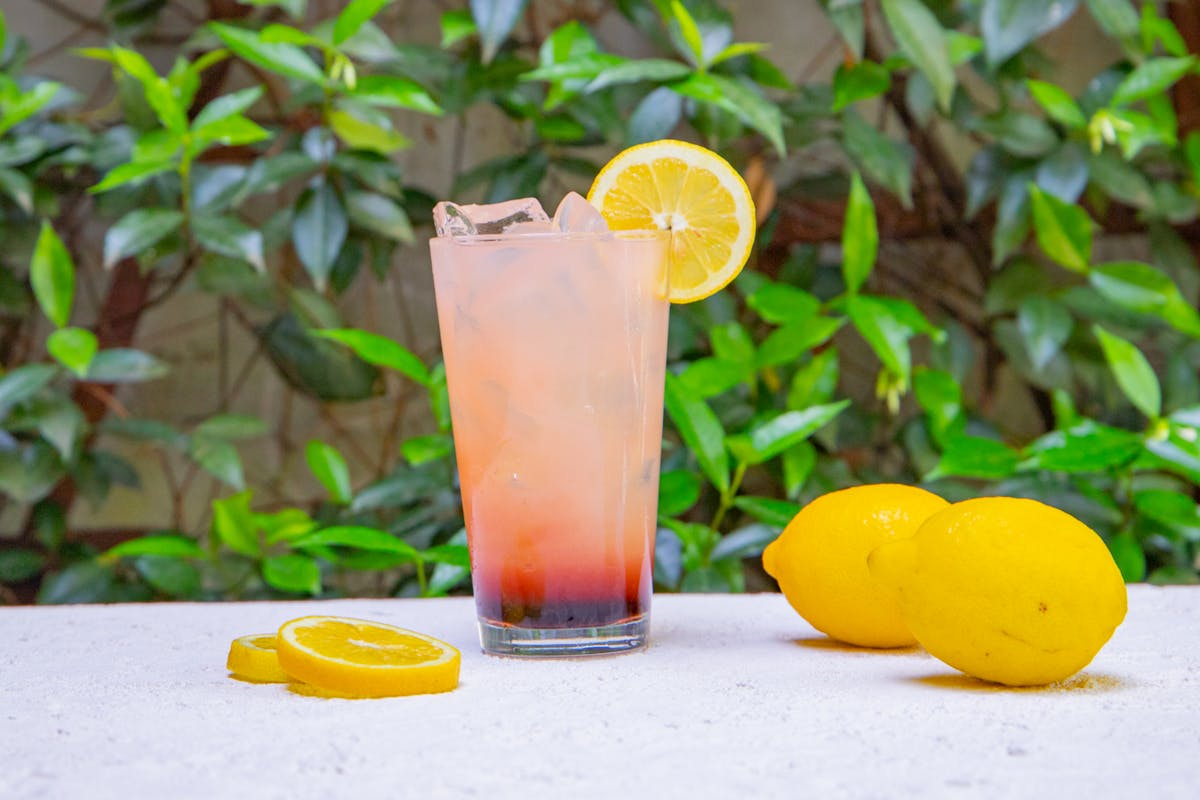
[(221, 360)]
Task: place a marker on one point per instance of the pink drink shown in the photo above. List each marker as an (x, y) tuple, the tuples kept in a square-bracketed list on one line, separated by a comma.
[(555, 348)]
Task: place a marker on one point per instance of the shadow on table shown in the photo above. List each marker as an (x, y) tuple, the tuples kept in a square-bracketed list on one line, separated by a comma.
[(1089, 682), (828, 645)]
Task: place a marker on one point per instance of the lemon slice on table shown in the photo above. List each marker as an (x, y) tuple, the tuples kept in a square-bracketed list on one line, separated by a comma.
[(253, 658), (358, 658), (694, 193)]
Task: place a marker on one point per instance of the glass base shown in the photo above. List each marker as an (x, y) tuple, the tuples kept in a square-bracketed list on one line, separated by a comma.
[(508, 640)]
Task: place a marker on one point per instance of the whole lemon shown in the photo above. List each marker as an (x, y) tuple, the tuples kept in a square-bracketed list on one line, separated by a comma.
[(820, 560), (1005, 589)]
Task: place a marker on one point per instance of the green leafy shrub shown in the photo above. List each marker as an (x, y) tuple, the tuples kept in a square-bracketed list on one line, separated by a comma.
[(1019, 358)]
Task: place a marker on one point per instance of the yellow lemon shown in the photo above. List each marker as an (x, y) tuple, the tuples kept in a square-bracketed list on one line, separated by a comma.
[(253, 658), (358, 658), (1005, 589), (690, 191), (820, 560)]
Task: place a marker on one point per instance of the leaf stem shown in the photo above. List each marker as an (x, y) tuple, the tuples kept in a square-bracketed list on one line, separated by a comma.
[(728, 496)]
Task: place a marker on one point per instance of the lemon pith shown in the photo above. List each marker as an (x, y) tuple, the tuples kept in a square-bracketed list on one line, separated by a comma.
[(360, 658), (694, 193), (820, 561)]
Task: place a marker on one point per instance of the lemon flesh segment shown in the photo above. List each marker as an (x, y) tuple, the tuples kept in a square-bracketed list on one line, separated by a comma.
[(1011, 591), (253, 658), (360, 658), (694, 193)]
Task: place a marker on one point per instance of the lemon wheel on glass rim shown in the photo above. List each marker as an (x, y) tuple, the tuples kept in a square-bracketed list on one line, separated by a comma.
[(694, 193)]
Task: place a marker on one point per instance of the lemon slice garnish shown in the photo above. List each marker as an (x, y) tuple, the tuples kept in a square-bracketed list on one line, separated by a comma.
[(694, 193)]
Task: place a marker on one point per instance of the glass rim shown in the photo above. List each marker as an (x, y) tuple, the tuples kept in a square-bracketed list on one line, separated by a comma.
[(646, 234)]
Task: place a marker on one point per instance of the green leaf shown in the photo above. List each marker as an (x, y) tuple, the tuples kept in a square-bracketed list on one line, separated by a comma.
[(655, 116), (172, 545), (61, 423), (885, 331), (1128, 554), (738, 99), (457, 555), (231, 426), (422, 449), (330, 469), (360, 134), (732, 342), (768, 510), (689, 32), (1064, 230), (390, 91), (279, 57), (227, 105), (123, 365), (52, 274), (975, 457), (74, 348), (456, 25), (884, 160), (81, 582), (768, 439), (678, 491), (22, 383), (1132, 371), (379, 214), (658, 70), (1009, 25), (1087, 446), (18, 188), (218, 458), (379, 350), (19, 565), (1057, 103), (709, 377), (29, 471), (134, 172), (940, 396), (169, 575), (318, 232), (494, 20), (778, 303), (847, 17), (859, 81), (814, 382), (293, 573), (1150, 78), (700, 430), (788, 342), (1045, 327), (235, 526), (358, 537), (922, 39), (1115, 17), (860, 238), (138, 231), (1024, 135), (229, 236), (230, 131), (747, 542), (1142, 288), (1170, 508), (353, 16)]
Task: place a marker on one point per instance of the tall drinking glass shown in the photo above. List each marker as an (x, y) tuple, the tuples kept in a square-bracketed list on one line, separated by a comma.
[(555, 348)]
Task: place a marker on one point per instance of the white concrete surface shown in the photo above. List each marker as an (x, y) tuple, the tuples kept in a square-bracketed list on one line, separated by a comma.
[(737, 697)]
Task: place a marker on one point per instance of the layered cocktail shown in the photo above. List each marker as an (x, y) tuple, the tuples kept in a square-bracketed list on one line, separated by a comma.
[(554, 338)]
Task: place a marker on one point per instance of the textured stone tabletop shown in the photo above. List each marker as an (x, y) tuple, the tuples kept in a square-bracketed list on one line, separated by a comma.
[(736, 697)]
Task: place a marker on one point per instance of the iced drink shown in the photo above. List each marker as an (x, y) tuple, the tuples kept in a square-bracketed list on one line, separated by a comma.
[(555, 346)]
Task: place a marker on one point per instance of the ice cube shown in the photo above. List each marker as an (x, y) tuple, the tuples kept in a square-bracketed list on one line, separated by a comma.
[(577, 215), (451, 219)]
